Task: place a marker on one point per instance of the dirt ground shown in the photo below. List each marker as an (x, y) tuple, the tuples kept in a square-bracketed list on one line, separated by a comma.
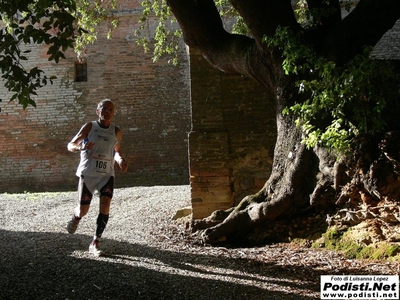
[(148, 255)]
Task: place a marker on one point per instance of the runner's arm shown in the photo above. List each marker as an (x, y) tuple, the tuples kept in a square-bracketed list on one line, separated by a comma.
[(76, 143), (118, 154)]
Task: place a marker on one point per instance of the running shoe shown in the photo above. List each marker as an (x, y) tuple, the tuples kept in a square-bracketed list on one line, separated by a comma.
[(94, 248), (72, 225)]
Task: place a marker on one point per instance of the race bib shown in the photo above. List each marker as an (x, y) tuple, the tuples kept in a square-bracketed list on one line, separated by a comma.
[(101, 164)]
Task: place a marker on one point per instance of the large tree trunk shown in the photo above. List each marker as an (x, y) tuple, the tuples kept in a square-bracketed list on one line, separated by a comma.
[(300, 177), (294, 166)]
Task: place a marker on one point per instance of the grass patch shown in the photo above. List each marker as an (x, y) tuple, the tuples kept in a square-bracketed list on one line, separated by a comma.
[(345, 242)]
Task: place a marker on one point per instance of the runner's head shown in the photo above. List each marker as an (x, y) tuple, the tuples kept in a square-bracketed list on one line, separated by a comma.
[(105, 110)]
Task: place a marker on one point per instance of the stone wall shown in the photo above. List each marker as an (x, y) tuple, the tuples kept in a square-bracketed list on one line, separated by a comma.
[(152, 108), (232, 139)]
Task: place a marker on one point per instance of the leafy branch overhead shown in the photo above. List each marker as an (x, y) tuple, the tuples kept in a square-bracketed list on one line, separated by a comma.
[(166, 35), (33, 22), (339, 102), (60, 24)]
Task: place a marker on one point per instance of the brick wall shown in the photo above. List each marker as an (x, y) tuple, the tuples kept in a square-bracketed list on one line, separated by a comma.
[(152, 109), (232, 139)]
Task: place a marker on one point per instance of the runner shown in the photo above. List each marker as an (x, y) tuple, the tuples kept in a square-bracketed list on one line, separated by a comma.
[(99, 144)]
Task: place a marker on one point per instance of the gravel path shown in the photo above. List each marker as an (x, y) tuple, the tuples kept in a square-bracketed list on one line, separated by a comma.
[(149, 256)]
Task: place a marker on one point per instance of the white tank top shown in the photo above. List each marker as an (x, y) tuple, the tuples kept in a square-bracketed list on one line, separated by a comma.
[(100, 160)]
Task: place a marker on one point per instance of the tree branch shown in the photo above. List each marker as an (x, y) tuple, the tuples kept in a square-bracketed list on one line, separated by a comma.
[(232, 53), (325, 13), (263, 17), (364, 26)]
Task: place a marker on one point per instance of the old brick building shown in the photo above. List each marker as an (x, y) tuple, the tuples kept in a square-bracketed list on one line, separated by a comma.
[(152, 108), (163, 111), (232, 140)]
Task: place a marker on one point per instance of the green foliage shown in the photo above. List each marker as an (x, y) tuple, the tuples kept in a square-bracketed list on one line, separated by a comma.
[(164, 43), (302, 13), (60, 24), (309, 18), (166, 35), (366, 253), (340, 102), (227, 11), (348, 242), (332, 239), (32, 22), (386, 250), (342, 241), (89, 14), (382, 250)]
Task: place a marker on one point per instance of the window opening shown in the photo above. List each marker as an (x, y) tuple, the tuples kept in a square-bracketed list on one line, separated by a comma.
[(80, 71)]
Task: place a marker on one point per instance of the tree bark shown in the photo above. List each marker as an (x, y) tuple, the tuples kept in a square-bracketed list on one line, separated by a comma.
[(299, 176)]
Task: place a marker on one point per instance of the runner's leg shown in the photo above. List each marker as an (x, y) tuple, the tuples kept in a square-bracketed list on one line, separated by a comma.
[(106, 193), (82, 207), (85, 195)]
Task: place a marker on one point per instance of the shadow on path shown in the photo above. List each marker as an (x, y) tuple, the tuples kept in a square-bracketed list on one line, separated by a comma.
[(58, 266)]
